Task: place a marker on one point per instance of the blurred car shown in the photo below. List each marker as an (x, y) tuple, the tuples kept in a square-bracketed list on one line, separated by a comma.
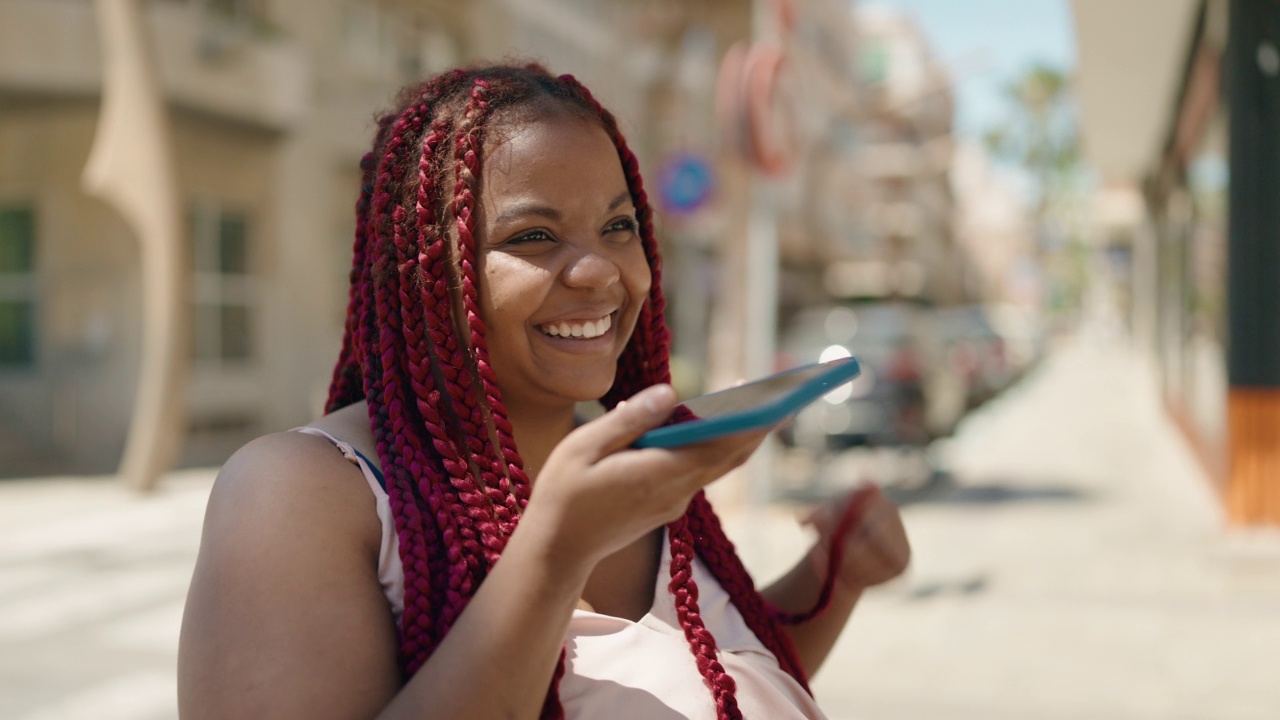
[(974, 351), (905, 397), (1023, 331)]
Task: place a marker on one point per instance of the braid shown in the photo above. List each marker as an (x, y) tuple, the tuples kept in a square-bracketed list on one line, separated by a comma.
[(718, 553), (399, 446), (461, 512), (483, 381), (385, 399), (414, 347), (700, 639), (428, 550)]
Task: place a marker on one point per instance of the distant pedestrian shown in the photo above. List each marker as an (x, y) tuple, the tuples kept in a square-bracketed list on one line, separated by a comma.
[(501, 558)]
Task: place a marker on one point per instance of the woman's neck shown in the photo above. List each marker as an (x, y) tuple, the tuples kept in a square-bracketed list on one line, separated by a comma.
[(537, 432)]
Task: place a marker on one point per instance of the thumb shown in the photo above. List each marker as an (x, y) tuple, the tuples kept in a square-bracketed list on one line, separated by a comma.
[(620, 427)]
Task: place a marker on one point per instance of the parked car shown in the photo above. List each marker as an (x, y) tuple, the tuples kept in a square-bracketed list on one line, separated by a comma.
[(974, 351), (1023, 332), (906, 395)]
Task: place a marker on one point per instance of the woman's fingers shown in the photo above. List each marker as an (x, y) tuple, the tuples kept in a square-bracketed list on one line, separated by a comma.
[(620, 427), (877, 550), (607, 492), (672, 475), (874, 549)]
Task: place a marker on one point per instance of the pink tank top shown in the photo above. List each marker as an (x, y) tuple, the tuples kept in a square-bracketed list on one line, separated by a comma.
[(640, 670)]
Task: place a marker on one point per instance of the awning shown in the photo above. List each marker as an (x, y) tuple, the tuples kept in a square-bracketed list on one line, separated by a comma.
[(1132, 54)]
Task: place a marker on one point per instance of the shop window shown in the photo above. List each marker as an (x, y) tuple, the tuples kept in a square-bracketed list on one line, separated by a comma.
[(17, 287), (224, 290)]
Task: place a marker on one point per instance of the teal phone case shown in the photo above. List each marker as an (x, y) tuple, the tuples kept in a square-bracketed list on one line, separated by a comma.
[(826, 377)]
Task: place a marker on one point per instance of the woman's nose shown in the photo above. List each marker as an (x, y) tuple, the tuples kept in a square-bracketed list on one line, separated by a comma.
[(591, 270)]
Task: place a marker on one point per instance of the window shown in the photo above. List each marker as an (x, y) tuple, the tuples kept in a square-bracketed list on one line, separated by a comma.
[(224, 291), (386, 43), (368, 37), (17, 287), (874, 63), (237, 10)]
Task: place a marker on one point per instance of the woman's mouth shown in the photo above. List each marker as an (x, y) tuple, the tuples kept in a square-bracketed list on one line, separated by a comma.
[(584, 329)]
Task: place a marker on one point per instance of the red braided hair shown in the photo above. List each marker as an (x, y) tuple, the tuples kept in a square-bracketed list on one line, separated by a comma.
[(414, 348)]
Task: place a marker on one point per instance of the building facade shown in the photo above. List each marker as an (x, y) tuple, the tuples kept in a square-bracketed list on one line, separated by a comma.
[(1189, 124), (272, 104)]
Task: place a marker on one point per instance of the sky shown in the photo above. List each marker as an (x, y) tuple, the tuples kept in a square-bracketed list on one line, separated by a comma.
[(987, 42)]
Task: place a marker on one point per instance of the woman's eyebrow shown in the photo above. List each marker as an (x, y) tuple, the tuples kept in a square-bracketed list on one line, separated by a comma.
[(520, 210), (625, 196)]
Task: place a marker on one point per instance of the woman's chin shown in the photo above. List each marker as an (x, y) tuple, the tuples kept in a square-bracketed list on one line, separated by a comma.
[(586, 391)]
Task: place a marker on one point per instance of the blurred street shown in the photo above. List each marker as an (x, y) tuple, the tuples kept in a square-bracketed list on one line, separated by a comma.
[(1073, 565)]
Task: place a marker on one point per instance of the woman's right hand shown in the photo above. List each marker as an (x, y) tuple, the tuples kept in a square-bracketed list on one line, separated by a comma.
[(596, 494)]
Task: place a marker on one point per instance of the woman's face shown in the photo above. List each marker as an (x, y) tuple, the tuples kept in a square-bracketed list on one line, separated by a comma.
[(564, 274)]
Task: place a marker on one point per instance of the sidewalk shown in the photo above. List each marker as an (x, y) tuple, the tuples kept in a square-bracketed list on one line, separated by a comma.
[(1075, 568), (92, 584)]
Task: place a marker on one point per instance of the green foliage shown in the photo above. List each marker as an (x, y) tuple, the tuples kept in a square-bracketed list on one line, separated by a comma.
[(1039, 134)]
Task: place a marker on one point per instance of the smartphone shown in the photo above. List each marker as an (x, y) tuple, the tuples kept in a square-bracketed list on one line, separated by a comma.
[(753, 405)]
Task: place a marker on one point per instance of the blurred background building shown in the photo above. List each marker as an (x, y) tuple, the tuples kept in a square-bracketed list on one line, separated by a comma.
[(1047, 228), (881, 208), (272, 104), (1180, 122)]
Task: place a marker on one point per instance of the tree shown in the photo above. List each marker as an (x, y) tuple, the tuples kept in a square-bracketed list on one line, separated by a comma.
[(1039, 137)]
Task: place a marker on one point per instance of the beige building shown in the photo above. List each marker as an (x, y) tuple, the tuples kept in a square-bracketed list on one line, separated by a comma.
[(898, 235), (272, 104), (1179, 121)]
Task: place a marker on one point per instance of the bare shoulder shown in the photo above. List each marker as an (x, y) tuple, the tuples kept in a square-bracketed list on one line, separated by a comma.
[(289, 481), (285, 616)]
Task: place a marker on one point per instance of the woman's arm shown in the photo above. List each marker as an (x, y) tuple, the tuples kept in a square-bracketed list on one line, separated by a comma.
[(286, 618), (875, 551)]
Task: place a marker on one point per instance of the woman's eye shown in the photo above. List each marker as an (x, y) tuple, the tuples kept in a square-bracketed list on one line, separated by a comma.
[(623, 225), (532, 236)]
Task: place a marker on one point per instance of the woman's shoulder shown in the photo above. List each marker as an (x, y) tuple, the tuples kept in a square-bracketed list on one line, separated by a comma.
[(287, 485), (286, 587)]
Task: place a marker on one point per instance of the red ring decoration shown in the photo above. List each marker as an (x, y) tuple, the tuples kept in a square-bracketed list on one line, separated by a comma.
[(772, 145), (730, 98), (785, 13)]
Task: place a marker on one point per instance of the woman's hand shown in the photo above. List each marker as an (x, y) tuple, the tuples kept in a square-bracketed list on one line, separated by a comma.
[(596, 494), (875, 548)]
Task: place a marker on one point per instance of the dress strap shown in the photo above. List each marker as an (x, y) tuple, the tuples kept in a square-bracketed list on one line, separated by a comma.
[(350, 453), (390, 569), (377, 474)]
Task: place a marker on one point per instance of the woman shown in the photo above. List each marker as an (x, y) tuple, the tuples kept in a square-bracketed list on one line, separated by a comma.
[(499, 560)]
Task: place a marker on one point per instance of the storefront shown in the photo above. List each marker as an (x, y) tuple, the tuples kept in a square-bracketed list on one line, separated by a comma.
[(1207, 257)]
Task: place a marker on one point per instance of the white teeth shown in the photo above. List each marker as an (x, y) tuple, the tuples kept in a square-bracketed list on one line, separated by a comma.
[(585, 330)]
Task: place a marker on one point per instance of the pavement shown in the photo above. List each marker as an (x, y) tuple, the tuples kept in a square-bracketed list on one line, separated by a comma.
[(1074, 564)]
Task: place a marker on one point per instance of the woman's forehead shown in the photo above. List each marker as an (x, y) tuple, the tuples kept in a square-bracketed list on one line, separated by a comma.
[(559, 156)]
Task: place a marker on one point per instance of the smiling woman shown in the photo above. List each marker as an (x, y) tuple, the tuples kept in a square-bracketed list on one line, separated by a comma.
[(496, 560), (564, 267)]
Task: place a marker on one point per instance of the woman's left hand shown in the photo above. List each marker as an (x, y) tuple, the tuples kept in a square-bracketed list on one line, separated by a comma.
[(875, 548)]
